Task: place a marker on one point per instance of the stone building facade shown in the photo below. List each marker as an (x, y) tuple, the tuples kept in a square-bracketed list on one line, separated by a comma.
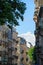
[(38, 18), (24, 59), (12, 48), (7, 43)]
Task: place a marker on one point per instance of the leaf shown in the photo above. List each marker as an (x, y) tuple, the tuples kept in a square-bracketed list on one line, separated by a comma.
[(11, 11)]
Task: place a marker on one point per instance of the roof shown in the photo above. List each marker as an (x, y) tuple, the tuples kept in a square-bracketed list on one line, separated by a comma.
[(22, 40)]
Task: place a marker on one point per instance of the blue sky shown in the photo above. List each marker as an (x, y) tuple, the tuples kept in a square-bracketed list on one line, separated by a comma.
[(28, 24)]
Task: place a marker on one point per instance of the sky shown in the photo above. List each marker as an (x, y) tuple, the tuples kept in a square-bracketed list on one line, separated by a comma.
[(27, 27)]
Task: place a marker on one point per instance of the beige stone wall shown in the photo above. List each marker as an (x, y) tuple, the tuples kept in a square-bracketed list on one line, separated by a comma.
[(10, 43), (23, 48), (38, 3), (13, 44)]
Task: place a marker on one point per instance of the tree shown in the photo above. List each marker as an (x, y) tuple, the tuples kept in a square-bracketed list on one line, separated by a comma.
[(30, 52), (11, 11)]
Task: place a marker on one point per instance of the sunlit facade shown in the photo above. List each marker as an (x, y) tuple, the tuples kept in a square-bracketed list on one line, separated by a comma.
[(38, 4), (13, 49), (7, 43), (24, 59)]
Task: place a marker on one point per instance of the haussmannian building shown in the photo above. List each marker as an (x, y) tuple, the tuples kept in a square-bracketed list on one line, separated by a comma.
[(24, 59), (13, 49), (38, 18), (7, 46)]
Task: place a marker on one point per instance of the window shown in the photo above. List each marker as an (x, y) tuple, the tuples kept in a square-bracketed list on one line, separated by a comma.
[(41, 23), (16, 57), (4, 59), (16, 41), (0, 53), (22, 51), (1, 48), (22, 41), (4, 34), (22, 59), (15, 49), (21, 64), (9, 34), (0, 63), (26, 53), (26, 59), (0, 44), (15, 64), (3, 45), (0, 58)]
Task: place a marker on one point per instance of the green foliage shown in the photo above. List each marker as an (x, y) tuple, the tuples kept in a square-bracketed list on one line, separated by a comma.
[(11, 11), (34, 55), (30, 53)]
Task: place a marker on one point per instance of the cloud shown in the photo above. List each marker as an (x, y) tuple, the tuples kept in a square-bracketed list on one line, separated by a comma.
[(29, 38)]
